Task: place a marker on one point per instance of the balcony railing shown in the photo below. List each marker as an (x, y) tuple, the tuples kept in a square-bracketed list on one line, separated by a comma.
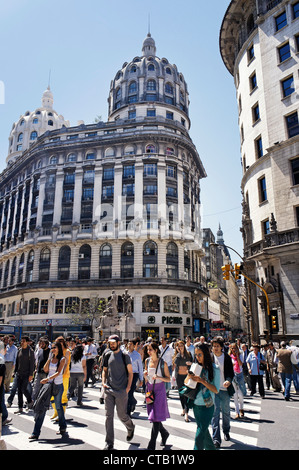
[(272, 240)]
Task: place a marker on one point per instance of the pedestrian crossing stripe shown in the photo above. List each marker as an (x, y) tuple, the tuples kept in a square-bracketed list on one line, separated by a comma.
[(86, 427)]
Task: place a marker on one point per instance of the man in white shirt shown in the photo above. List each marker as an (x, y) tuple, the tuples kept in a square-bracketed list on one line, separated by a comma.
[(189, 346), (167, 352), (90, 352)]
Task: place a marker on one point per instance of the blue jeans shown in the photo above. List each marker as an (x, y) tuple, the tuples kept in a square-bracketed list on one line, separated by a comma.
[(39, 419), (286, 380), (222, 403)]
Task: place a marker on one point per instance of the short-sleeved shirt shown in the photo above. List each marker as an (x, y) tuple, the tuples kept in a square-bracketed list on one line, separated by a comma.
[(117, 370)]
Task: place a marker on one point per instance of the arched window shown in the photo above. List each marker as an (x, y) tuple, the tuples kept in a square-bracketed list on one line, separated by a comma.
[(150, 259), (29, 267), (109, 152), (33, 306), (44, 264), (151, 68), (21, 268), (127, 260), (133, 87), (72, 157), (172, 261), (133, 69), (13, 271), (72, 305), (150, 148), (150, 303), (118, 94), (169, 88), (105, 261), (35, 121), (64, 260), (168, 70), (171, 304), (33, 135), (50, 122), (53, 160), (151, 85), (129, 150), (20, 137), (84, 262), (6, 271)]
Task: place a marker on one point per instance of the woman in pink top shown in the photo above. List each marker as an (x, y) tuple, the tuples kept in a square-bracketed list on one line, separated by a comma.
[(239, 381)]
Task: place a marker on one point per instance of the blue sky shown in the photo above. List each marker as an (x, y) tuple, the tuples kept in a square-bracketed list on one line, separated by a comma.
[(85, 44)]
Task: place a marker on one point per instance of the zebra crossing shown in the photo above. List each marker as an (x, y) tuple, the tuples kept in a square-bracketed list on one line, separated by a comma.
[(86, 427)]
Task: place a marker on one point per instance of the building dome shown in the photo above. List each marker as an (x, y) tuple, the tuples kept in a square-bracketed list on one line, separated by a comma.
[(149, 87), (33, 124)]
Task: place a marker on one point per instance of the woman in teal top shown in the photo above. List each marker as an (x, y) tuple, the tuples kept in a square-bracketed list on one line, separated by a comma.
[(203, 405)]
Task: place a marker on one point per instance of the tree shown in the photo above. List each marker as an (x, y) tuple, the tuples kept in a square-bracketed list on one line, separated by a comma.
[(88, 311)]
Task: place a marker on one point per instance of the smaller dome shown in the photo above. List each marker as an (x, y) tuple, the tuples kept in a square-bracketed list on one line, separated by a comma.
[(149, 46), (47, 99), (32, 125)]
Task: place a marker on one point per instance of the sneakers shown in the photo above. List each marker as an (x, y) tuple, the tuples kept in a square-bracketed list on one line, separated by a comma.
[(131, 434)]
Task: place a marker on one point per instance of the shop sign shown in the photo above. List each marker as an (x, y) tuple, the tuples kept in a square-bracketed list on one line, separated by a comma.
[(172, 320)]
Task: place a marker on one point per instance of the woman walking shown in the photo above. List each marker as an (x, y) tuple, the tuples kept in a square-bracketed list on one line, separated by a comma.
[(254, 360), (203, 405), (239, 381), (182, 361), (53, 383), (66, 375), (155, 374), (78, 373)]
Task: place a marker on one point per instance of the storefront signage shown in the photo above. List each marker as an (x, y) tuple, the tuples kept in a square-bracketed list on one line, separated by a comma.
[(172, 320)]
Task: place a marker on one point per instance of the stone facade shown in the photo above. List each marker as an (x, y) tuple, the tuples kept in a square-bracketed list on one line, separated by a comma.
[(259, 45), (108, 206)]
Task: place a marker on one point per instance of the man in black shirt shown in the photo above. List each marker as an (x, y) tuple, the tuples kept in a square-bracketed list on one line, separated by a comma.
[(24, 369)]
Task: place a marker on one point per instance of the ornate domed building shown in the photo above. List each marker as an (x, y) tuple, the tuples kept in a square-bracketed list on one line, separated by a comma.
[(104, 207)]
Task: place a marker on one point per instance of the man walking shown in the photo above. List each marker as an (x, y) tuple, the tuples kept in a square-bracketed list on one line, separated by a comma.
[(90, 352), (222, 399), (285, 368), (117, 379), (137, 368), (272, 367), (10, 357), (24, 368)]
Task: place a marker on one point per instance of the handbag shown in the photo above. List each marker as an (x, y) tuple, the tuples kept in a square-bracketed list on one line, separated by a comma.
[(150, 395), (263, 366)]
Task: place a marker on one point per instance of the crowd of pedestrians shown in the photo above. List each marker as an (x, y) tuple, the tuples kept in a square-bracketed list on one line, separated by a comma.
[(207, 375)]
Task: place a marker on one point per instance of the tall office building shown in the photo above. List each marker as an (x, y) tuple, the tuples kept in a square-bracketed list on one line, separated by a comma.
[(113, 205), (259, 43)]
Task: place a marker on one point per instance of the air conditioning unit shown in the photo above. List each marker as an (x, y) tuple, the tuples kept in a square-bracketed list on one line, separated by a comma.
[(81, 255)]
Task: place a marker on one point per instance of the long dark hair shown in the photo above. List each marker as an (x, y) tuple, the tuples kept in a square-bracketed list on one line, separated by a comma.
[(77, 353), (208, 364), (60, 353)]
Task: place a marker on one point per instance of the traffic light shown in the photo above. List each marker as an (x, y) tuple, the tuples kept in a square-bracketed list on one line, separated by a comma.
[(237, 271), (226, 272), (274, 322)]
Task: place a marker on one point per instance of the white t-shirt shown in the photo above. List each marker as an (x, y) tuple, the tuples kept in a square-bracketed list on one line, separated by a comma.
[(77, 368), (219, 361)]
